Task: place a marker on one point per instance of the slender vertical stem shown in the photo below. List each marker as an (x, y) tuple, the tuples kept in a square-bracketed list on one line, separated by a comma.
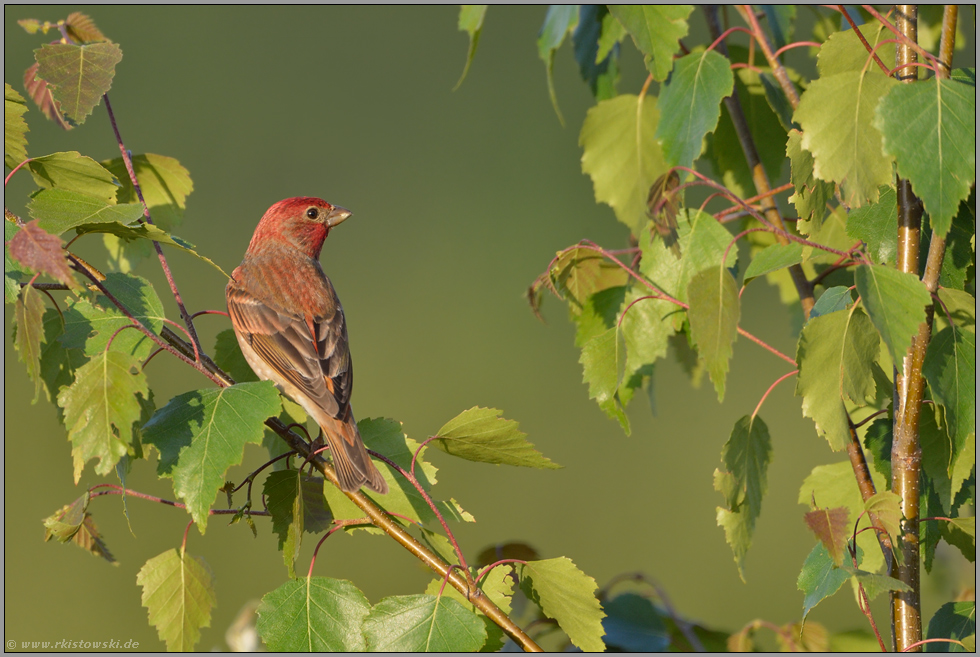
[(906, 456), (759, 177), (778, 70)]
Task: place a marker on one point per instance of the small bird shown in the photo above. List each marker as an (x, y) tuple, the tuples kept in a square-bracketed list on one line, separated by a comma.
[(292, 330)]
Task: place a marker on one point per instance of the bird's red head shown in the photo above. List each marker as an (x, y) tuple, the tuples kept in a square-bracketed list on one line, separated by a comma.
[(302, 222)]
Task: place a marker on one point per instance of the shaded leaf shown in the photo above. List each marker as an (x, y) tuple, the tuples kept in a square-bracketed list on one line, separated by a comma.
[(598, 32), (655, 29), (480, 434), (178, 593), (811, 194), (603, 360), (773, 257), (579, 273), (930, 128), (950, 368), (78, 76), (315, 614), (896, 303), (874, 583), (14, 127), (714, 315), (877, 226), (229, 357), (202, 433), (100, 409), (470, 21), (63, 524), (29, 327), (498, 586), (820, 578), (566, 594), (423, 623), (559, 21), (633, 624), (832, 527), (832, 300), (621, 155), (690, 105), (73, 172), (835, 355), (165, 184), (954, 620), (41, 251), (37, 89)]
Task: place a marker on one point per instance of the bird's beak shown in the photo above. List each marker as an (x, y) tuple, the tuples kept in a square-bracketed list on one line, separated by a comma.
[(337, 215)]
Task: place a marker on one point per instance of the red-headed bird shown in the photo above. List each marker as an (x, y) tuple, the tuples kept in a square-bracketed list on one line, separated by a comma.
[(291, 327)]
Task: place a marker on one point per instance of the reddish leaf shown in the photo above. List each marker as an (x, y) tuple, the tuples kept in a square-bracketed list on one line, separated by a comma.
[(41, 251), (38, 90), (82, 29), (831, 526)]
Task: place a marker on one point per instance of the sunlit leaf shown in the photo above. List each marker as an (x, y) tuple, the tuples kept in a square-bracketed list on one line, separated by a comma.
[(423, 623), (28, 313), (165, 184), (772, 258), (566, 594), (498, 586), (480, 434), (78, 76), (58, 210), (37, 89), (896, 302), (178, 593), (73, 172), (655, 29), (82, 29), (471, 22), (14, 127), (315, 614), (714, 314), (832, 527)]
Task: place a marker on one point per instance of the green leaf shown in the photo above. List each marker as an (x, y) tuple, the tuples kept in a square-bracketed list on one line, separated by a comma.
[(811, 194), (315, 614), (961, 533), (90, 326), (746, 456), (470, 21), (832, 300), (833, 486), (423, 623), (498, 586), (958, 269), (655, 29), (202, 433), (646, 327), (480, 434), (819, 579), (778, 102), (633, 624), (297, 504), (559, 21), (29, 327), (178, 593), (896, 303), (950, 367), (14, 127), (877, 226), (835, 355), (962, 308), (164, 182), (930, 128), (100, 408), (954, 620), (58, 365), (78, 76), (843, 51), (63, 524), (887, 506), (579, 273), (603, 361), (598, 30), (34, 249), (714, 314), (229, 357), (73, 172), (772, 258), (833, 528), (690, 104), (566, 594), (58, 210), (837, 114), (874, 583), (622, 156)]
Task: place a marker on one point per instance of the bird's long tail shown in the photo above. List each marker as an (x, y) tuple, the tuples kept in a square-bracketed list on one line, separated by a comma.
[(350, 458)]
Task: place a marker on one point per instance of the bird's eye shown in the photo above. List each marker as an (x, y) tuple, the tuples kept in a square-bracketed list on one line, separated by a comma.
[(313, 213)]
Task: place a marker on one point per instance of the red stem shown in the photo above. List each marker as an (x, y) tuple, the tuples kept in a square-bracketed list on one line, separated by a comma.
[(775, 383), (854, 27), (15, 170)]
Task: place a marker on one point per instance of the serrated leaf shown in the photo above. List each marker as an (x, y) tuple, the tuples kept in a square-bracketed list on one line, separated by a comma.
[(470, 21), (714, 314), (165, 184), (896, 303), (37, 89), (832, 528), (843, 51), (930, 128), (874, 583), (100, 408), (28, 313), (63, 524), (962, 534), (690, 105), (315, 614), (58, 210), (962, 309), (296, 503), (603, 360), (480, 434), (655, 29), (73, 172), (621, 155), (423, 623), (633, 624), (78, 76), (589, 37), (14, 127), (58, 365), (89, 326), (202, 433), (498, 586), (877, 226), (819, 579), (837, 114), (772, 258), (646, 328), (833, 486), (953, 620), (812, 194), (82, 28), (835, 355), (950, 367), (746, 456), (887, 506), (559, 21), (958, 268), (579, 273), (229, 357), (38, 250), (566, 594), (178, 593)]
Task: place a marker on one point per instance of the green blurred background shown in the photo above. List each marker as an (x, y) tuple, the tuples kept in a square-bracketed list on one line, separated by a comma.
[(460, 199)]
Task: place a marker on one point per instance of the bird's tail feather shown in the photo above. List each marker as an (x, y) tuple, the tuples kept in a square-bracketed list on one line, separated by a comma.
[(350, 458)]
